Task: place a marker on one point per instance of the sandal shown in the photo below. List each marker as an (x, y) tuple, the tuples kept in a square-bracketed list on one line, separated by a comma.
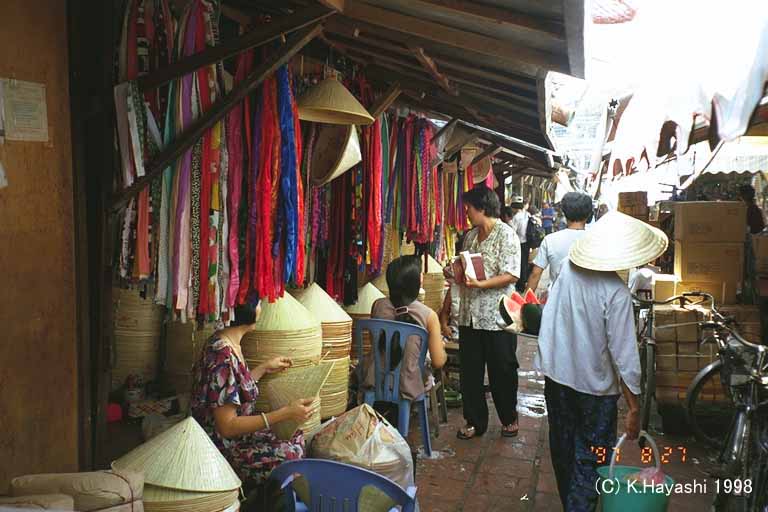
[(467, 432), (510, 430)]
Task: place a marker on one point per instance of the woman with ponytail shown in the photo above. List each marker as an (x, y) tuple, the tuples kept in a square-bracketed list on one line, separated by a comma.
[(404, 281)]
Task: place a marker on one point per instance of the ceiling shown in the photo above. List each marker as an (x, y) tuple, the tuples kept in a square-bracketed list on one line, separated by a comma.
[(482, 62)]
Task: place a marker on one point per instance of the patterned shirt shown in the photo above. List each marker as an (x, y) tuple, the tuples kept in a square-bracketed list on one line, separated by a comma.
[(501, 255), (221, 378)]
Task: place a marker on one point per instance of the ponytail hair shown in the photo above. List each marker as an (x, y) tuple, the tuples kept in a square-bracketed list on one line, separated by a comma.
[(404, 282)]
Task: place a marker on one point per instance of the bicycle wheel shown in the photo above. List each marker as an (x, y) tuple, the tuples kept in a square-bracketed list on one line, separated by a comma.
[(708, 406), (647, 382), (758, 472)]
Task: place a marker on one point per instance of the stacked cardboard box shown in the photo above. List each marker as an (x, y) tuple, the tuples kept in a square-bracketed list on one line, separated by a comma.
[(634, 204), (679, 355), (709, 248), (747, 319)]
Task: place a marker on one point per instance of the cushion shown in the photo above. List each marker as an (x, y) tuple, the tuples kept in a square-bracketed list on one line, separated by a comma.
[(90, 491), (38, 502)]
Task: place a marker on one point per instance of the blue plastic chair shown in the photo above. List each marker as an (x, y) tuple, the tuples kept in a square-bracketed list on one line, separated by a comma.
[(335, 486), (387, 383)]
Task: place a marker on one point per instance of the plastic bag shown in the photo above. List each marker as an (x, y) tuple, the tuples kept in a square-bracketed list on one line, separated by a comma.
[(364, 438)]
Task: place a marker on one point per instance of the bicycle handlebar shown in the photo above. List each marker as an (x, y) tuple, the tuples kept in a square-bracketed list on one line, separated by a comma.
[(682, 298)]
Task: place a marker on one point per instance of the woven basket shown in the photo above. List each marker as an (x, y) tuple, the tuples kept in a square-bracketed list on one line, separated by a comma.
[(138, 326), (183, 342)]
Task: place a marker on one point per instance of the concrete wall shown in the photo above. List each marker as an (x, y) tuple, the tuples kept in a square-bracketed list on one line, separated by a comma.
[(38, 342)]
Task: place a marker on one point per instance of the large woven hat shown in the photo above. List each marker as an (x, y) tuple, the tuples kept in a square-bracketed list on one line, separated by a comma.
[(618, 242), (318, 302), (366, 296), (330, 102), (183, 458), (337, 150)]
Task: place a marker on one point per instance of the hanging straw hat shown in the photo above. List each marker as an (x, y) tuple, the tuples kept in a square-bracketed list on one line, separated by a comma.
[(618, 242), (183, 458), (330, 102), (337, 150), (481, 170)]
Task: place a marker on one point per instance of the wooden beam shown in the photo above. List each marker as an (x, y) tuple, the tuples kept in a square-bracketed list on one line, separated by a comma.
[(385, 100), (447, 126), (454, 37), (349, 49), (370, 35), (256, 37), (217, 111), (490, 151), (236, 15), (496, 15), (431, 68), (336, 5), (461, 142)]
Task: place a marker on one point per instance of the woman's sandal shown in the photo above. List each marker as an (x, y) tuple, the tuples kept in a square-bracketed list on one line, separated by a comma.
[(467, 432), (510, 430)]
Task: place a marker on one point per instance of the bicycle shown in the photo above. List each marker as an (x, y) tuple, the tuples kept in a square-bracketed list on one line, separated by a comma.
[(648, 349), (741, 371)]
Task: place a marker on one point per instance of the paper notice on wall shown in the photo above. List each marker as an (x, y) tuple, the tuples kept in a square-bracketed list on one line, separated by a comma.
[(25, 111)]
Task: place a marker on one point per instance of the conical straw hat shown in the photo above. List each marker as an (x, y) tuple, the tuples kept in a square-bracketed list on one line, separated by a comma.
[(162, 499), (337, 150), (433, 267), (319, 303), (366, 296), (330, 102), (381, 283), (481, 169), (288, 387), (285, 314), (184, 458), (618, 242)]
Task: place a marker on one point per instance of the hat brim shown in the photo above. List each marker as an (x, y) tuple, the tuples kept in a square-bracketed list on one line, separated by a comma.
[(618, 242)]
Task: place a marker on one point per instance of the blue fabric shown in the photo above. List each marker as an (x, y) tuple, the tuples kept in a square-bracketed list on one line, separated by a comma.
[(578, 422), (288, 188), (547, 223)]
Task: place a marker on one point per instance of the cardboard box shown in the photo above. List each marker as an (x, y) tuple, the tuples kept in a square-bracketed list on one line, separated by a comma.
[(709, 262), (722, 292), (710, 221), (674, 324), (664, 286), (760, 248), (632, 199), (748, 319), (664, 316)]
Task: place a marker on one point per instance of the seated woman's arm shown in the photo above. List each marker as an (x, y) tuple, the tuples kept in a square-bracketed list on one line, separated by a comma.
[(445, 315), (230, 425), (436, 344)]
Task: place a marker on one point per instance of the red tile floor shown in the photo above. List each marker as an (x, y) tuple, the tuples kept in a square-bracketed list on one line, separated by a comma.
[(494, 473)]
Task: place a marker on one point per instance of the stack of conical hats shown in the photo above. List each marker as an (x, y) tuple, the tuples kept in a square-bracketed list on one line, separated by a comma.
[(183, 342), (361, 310), (337, 342), (284, 329), (434, 285), (183, 471), (138, 326)]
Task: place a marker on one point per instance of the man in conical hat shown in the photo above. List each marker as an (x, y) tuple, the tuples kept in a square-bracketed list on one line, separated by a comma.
[(588, 351)]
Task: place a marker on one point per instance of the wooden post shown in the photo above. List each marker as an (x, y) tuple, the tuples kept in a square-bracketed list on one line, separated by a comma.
[(491, 150), (295, 43)]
